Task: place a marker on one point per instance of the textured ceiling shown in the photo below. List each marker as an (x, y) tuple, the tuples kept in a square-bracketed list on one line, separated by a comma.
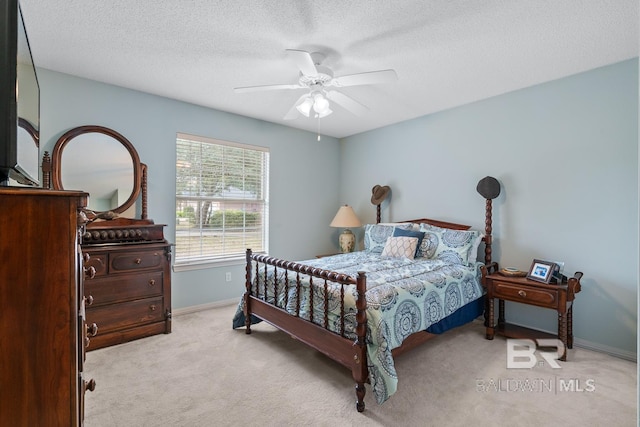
[(446, 53)]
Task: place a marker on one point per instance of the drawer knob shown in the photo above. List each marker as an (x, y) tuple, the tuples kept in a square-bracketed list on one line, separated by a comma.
[(522, 293), (152, 307), (90, 272), (88, 300), (90, 385), (92, 330), (152, 282), (138, 260)]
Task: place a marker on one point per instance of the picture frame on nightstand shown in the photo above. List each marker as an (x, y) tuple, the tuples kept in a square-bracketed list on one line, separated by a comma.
[(541, 271)]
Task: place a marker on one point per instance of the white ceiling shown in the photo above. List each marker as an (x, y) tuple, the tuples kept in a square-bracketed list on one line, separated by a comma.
[(446, 53)]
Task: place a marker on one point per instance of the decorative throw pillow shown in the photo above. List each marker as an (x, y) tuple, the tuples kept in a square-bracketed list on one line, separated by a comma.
[(410, 233), (376, 235), (453, 246), (400, 247)]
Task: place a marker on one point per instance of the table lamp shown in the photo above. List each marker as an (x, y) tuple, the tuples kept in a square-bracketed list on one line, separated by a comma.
[(346, 218)]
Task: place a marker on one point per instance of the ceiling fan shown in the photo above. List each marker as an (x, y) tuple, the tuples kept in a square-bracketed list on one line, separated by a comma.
[(318, 80)]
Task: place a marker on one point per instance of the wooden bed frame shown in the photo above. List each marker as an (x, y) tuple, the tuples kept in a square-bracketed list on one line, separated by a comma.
[(351, 354)]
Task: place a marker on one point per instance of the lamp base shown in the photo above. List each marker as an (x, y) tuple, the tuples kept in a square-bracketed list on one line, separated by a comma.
[(347, 241)]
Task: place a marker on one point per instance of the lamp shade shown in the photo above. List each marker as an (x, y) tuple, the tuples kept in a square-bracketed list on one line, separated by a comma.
[(345, 218)]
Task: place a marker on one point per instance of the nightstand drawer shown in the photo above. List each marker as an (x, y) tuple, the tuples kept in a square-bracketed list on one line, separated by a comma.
[(525, 295)]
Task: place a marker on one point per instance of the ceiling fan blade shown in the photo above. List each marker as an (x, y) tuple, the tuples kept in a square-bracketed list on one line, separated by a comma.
[(304, 61), (347, 102), (265, 87), (368, 78)]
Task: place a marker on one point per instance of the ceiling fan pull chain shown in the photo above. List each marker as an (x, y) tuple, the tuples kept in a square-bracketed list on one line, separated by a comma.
[(318, 116)]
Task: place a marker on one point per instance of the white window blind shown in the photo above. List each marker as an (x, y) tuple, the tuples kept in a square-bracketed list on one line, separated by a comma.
[(222, 200)]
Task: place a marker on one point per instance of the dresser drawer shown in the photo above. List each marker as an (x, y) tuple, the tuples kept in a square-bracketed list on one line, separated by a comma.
[(135, 260), (133, 313), (525, 295), (106, 290)]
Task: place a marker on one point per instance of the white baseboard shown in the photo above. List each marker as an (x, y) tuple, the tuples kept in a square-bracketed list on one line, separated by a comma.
[(613, 351), (590, 345), (200, 307)]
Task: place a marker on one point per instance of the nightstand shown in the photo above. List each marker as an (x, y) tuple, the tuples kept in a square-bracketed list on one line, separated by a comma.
[(558, 297)]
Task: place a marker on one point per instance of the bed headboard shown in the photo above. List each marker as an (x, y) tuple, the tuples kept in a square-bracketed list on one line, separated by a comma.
[(489, 188), (438, 223)]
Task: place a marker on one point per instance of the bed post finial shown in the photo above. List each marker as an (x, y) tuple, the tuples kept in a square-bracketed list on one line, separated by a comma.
[(378, 194), (489, 188)]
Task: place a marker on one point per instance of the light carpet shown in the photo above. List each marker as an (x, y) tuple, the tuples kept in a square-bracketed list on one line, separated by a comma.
[(206, 374)]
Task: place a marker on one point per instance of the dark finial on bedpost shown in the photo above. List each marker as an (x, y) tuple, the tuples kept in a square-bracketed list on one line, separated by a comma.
[(378, 194), (489, 188), (247, 300)]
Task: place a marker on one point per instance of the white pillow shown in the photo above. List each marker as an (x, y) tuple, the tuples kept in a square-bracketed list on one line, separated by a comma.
[(452, 246), (376, 235), (400, 246)]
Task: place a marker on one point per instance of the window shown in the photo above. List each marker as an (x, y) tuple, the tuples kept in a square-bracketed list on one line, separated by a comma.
[(222, 200)]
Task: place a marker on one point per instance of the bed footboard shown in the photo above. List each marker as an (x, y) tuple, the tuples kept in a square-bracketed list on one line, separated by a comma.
[(260, 300)]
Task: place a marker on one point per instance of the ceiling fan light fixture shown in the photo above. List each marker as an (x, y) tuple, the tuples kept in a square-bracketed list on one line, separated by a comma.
[(325, 113), (305, 106), (321, 105), (317, 79)]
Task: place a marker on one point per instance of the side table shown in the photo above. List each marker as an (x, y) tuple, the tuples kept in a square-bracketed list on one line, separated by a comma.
[(558, 297)]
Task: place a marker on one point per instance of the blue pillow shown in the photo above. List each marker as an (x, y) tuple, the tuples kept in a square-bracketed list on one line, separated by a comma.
[(410, 233)]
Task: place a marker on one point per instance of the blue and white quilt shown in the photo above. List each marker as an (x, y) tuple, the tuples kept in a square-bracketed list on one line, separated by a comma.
[(403, 296)]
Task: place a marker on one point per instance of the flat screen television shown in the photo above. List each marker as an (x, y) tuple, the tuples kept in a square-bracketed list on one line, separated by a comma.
[(19, 101)]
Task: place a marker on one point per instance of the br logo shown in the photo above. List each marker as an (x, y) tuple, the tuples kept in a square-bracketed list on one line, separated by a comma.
[(521, 353)]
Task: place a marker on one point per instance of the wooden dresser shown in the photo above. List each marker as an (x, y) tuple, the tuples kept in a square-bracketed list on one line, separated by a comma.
[(130, 280), (42, 327), (127, 259)]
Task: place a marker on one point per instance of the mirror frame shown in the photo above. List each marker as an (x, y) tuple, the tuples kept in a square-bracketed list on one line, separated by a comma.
[(138, 168), (31, 130)]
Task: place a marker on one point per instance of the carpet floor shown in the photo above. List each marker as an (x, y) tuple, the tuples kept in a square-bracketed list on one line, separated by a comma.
[(206, 374)]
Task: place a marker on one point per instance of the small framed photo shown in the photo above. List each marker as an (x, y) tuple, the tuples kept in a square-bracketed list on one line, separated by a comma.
[(541, 271)]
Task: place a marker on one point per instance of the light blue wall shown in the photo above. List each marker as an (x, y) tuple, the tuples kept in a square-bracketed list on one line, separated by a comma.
[(304, 172), (566, 154)]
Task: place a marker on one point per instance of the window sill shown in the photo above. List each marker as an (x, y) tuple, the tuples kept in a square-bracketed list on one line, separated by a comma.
[(202, 265)]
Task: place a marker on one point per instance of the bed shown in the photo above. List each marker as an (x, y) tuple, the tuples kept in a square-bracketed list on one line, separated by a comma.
[(364, 309)]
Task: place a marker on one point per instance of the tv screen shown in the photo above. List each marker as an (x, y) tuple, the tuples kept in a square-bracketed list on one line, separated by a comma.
[(20, 101)]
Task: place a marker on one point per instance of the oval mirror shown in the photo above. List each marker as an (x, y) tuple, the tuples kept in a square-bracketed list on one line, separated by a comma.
[(101, 162)]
